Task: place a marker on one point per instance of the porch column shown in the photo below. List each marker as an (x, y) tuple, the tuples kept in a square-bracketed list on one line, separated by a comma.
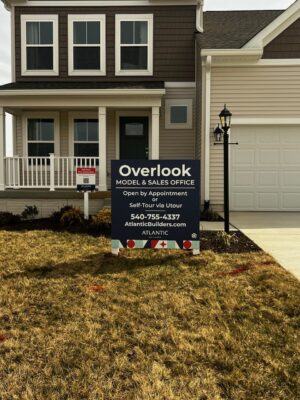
[(2, 148), (102, 149), (154, 148)]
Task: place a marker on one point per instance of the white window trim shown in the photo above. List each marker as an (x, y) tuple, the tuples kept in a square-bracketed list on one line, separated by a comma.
[(79, 115), (41, 115), (133, 17), (179, 102), (39, 18), (86, 18)]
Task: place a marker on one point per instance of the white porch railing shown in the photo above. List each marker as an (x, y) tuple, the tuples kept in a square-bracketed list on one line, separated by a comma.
[(45, 172)]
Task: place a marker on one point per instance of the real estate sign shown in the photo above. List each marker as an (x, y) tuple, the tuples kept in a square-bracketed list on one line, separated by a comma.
[(86, 179), (156, 204)]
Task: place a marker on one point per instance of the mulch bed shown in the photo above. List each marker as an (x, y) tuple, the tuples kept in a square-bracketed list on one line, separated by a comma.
[(218, 242), (238, 242)]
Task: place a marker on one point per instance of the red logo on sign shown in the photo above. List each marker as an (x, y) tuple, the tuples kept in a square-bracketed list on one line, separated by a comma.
[(187, 244), (131, 244)]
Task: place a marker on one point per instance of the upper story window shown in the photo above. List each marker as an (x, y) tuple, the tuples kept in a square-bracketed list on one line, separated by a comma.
[(86, 44), (134, 44), (39, 36)]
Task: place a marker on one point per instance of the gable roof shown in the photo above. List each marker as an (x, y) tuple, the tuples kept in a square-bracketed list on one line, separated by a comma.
[(233, 29)]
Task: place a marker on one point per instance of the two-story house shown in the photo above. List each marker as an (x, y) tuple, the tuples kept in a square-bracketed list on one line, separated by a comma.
[(99, 80)]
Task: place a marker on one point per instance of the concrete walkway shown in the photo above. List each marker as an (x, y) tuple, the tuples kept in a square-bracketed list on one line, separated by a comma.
[(277, 233)]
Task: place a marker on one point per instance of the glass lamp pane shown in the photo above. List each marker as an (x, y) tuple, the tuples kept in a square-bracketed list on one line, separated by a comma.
[(134, 58), (87, 58), (46, 33), (127, 32), (141, 32), (178, 114), (93, 32)]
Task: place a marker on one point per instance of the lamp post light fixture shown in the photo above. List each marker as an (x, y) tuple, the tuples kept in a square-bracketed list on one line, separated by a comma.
[(219, 132)]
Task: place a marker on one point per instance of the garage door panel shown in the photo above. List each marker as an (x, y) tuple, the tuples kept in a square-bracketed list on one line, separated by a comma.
[(268, 201), (268, 157), (267, 178), (263, 137), (245, 157), (244, 178), (265, 168), (291, 157), (244, 200), (290, 179), (291, 201)]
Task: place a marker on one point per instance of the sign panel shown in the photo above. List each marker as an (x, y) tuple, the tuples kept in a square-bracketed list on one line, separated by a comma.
[(155, 204), (86, 179)]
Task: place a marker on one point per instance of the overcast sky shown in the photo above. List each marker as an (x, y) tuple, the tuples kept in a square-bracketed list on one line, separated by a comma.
[(209, 5)]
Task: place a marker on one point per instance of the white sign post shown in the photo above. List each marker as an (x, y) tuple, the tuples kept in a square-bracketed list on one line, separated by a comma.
[(86, 182)]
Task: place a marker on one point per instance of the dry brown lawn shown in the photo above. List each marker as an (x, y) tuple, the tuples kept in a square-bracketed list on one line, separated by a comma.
[(78, 324)]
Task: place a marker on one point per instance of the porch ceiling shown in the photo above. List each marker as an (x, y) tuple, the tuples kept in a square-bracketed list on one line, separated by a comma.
[(42, 95)]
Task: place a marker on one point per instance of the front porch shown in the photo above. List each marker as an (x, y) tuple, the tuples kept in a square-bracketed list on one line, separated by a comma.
[(57, 170)]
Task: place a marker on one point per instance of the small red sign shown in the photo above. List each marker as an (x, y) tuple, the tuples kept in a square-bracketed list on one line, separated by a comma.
[(86, 171)]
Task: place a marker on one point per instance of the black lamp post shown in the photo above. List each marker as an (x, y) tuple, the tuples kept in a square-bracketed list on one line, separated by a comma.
[(225, 119)]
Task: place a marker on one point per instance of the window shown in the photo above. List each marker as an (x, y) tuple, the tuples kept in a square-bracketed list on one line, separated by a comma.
[(179, 114), (39, 44), (86, 142), (87, 45), (134, 44)]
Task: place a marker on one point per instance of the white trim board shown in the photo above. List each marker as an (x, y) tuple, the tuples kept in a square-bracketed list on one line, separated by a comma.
[(47, 3), (41, 115), (55, 45), (265, 121), (276, 27), (119, 18), (101, 18)]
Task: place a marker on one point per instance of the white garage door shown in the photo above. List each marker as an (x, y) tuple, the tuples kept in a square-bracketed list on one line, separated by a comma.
[(265, 168)]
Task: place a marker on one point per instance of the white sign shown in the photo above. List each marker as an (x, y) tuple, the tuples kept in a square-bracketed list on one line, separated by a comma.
[(86, 179)]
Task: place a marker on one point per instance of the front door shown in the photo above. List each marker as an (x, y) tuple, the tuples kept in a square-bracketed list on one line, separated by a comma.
[(134, 138)]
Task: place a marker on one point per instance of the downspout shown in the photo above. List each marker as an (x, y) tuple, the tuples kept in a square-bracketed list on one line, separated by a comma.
[(199, 19), (206, 107)]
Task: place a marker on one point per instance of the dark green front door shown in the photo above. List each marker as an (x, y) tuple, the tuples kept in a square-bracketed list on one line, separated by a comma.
[(134, 138)]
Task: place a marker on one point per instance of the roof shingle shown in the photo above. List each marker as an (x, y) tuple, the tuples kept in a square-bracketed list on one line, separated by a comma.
[(233, 29)]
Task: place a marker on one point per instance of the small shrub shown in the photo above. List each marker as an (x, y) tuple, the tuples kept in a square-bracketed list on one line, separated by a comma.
[(210, 215), (72, 217), (30, 212), (226, 239), (56, 215), (7, 218), (102, 220)]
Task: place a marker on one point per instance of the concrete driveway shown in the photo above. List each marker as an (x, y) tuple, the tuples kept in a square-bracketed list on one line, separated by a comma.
[(277, 233)]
